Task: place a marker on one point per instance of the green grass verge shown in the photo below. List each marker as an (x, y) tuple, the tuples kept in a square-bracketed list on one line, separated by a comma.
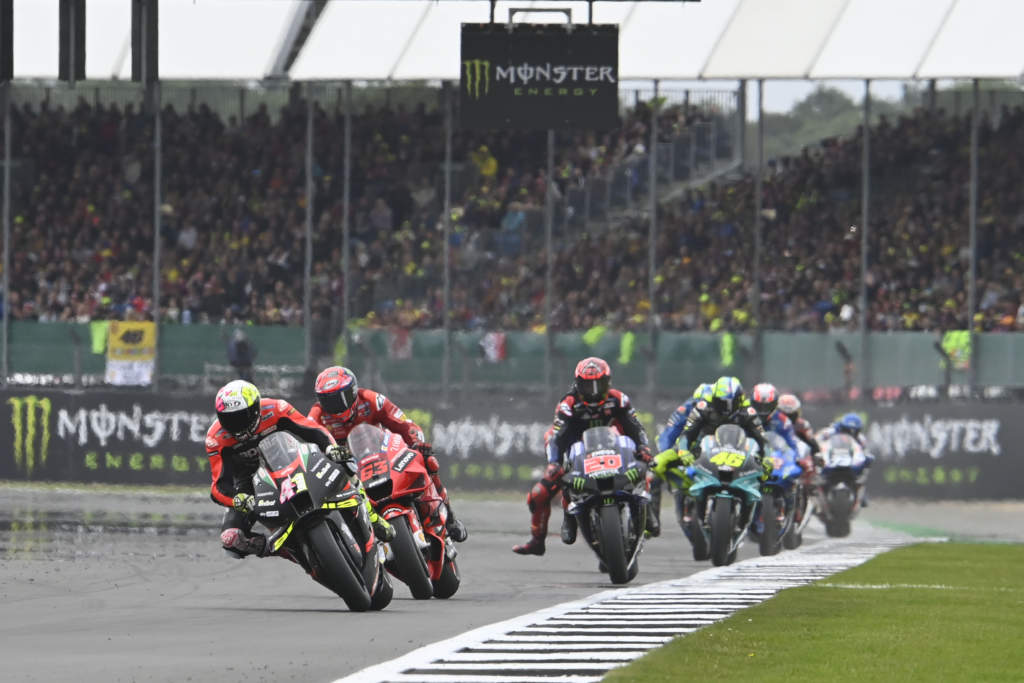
[(930, 612)]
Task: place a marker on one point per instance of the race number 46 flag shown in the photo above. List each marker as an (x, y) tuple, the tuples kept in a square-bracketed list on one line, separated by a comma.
[(131, 353)]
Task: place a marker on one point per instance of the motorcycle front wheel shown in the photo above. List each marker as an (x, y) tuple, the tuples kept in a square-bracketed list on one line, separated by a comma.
[(721, 531), (332, 568), (449, 581), (613, 548), (768, 543), (409, 563)]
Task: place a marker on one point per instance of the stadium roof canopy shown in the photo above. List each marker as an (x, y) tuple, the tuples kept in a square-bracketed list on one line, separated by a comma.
[(419, 39)]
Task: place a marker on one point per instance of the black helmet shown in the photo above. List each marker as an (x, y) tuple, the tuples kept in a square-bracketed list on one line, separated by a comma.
[(592, 380)]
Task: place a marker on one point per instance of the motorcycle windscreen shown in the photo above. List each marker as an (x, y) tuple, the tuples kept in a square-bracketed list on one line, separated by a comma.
[(600, 439), (776, 443), (842, 451), (281, 453), (366, 439), (732, 436)]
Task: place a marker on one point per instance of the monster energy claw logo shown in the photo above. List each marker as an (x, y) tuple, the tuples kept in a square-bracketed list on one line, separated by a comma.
[(478, 71), (24, 412)]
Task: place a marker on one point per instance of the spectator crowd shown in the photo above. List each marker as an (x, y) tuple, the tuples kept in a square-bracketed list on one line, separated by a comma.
[(233, 225)]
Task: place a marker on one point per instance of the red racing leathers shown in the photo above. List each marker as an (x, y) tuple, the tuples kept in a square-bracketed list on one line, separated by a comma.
[(377, 409), (572, 418), (232, 464)]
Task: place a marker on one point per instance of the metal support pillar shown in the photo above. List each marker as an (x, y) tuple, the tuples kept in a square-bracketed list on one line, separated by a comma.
[(6, 91), (549, 219), (446, 366), (307, 261), (865, 229), (652, 237), (346, 197), (158, 200), (755, 296), (972, 276)]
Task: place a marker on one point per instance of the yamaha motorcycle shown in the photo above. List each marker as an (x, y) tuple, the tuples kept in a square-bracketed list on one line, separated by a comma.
[(608, 496), (840, 483)]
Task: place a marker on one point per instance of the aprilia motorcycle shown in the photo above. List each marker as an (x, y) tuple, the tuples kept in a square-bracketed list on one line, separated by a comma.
[(608, 496), (397, 481), (840, 483), (726, 487), (316, 517)]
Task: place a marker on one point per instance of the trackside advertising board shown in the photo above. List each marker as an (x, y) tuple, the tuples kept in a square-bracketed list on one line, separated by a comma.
[(539, 76), (923, 450)]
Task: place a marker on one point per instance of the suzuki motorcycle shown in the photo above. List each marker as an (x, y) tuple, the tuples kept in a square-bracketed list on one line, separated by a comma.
[(608, 496), (316, 518), (397, 481), (773, 516), (726, 487), (840, 483)]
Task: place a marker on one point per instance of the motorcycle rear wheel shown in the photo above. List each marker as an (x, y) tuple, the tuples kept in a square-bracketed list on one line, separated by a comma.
[(332, 567), (385, 591), (410, 565), (721, 532), (697, 539), (613, 548)]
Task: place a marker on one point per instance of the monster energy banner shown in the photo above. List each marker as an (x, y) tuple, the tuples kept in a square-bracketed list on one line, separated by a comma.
[(539, 76), (103, 437), (940, 450)]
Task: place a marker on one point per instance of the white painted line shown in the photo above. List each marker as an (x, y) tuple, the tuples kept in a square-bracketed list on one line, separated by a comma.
[(623, 656), (601, 620)]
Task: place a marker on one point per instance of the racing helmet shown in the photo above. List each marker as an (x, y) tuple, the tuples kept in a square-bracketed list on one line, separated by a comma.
[(238, 408), (850, 424), (789, 405), (593, 379), (726, 395), (765, 399), (337, 390), (703, 392)]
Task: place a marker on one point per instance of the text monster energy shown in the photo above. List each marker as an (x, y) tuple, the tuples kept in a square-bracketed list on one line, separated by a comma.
[(539, 76), (24, 412)]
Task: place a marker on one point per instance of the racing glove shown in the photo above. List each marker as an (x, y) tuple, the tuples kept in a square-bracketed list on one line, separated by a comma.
[(767, 467), (423, 447), (664, 460), (244, 502), (343, 457), (643, 454)]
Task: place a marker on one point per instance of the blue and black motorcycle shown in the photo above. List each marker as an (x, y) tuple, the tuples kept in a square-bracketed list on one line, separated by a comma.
[(773, 517), (608, 496), (726, 488)]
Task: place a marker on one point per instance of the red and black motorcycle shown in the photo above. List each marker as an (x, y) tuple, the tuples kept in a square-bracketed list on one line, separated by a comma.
[(397, 481)]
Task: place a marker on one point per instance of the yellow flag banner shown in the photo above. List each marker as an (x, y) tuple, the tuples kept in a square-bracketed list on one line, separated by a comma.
[(131, 353)]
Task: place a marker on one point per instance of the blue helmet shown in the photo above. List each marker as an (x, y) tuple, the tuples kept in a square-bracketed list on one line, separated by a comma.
[(703, 392), (727, 395), (850, 423)]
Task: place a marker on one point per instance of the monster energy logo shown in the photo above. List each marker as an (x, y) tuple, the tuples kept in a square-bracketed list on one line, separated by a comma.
[(478, 72), (24, 412)]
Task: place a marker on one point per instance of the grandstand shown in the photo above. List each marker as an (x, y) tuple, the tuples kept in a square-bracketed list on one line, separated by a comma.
[(739, 253)]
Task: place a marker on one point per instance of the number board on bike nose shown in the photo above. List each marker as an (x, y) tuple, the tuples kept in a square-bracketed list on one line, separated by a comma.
[(602, 463), (728, 458)]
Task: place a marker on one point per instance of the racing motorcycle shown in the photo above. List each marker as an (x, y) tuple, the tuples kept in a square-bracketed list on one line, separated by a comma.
[(803, 499), (397, 481), (840, 483), (726, 487), (317, 519), (608, 496), (774, 515)]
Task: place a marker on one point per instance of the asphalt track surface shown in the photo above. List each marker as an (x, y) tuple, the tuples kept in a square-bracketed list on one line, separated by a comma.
[(134, 587)]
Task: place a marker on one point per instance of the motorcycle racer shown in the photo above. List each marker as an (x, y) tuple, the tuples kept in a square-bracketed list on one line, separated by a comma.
[(342, 404), (765, 400), (668, 443), (591, 402), (728, 405), (243, 419), (789, 405)]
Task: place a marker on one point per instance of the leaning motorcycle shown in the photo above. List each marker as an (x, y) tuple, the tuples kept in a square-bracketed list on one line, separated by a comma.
[(397, 481), (726, 487), (840, 483), (608, 496), (316, 517), (774, 515)]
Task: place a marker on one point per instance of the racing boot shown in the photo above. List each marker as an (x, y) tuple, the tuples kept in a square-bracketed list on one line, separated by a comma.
[(535, 546), (455, 528), (653, 527), (238, 544), (569, 527)]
